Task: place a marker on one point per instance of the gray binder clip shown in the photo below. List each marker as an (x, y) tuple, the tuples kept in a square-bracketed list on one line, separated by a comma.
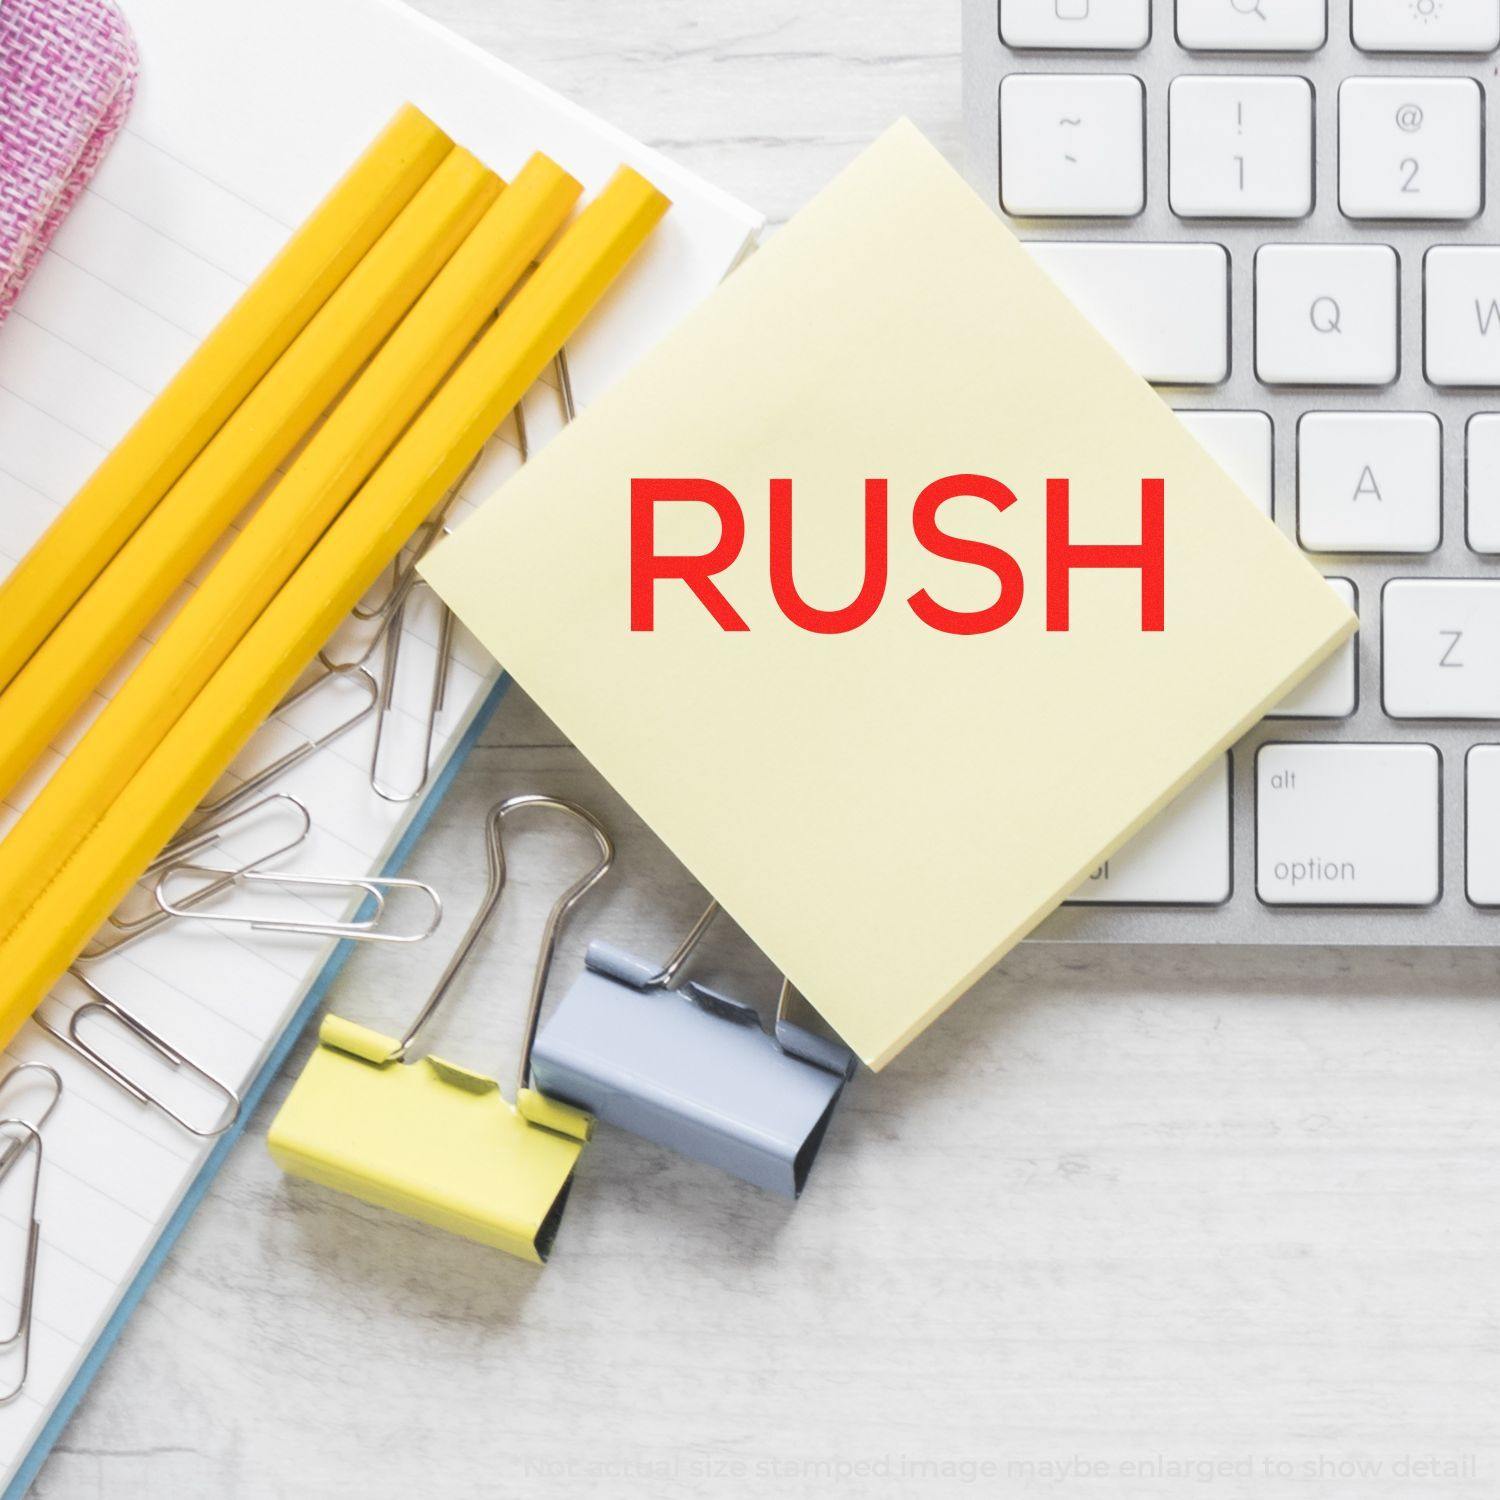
[(692, 1068)]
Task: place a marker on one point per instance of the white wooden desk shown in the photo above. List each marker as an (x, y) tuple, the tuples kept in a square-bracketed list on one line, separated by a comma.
[(1119, 1208)]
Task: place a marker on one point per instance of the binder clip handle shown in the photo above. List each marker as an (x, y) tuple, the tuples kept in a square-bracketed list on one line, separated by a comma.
[(666, 977), (799, 1040), (792, 1032), (561, 908)]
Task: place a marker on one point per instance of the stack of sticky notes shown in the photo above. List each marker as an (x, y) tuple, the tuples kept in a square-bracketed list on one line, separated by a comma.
[(788, 587)]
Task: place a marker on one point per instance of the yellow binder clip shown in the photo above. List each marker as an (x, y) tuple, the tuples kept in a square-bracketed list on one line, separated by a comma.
[(433, 1140)]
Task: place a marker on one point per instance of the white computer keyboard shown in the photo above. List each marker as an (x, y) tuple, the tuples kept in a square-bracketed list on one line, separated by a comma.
[(1279, 211)]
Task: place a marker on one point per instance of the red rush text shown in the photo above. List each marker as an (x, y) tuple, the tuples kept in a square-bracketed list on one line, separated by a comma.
[(1064, 556)]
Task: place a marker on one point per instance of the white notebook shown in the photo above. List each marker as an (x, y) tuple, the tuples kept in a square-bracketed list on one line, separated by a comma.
[(245, 116)]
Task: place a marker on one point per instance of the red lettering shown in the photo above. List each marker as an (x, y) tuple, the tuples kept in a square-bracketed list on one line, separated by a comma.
[(1148, 555), (960, 549), (871, 591), (695, 571)]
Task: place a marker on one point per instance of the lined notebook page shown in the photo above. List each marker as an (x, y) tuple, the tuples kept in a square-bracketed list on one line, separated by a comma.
[(197, 194)]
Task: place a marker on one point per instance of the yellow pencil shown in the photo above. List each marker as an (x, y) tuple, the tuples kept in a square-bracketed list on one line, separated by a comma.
[(340, 456), (267, 425), (226, 367), (60, 917)]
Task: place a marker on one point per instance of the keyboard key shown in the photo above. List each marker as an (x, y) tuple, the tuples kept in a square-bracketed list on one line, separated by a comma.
[(1101, 25), (1483, 467), (1326, 314), (1347, 825), (1463, 315), (1072, 144), (1440, 643), (1331, 692), (1427, 25), (1182, 857), (1242, 148), (1252, 25), (1164, 307), (1411, 148), (1369, 482), (1482, 824), (1240, 443)]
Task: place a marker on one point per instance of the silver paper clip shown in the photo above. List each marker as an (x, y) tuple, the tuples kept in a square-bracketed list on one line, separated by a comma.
[(11, 1149), (178, 1061), (390, 620), (23, 1137), (125, 929), (691, 1068), (364, 927), (213, 819), (565, 393), (403, 576), (391, 614), (311, 744), (565, 385), (436, 696), (403, 569)]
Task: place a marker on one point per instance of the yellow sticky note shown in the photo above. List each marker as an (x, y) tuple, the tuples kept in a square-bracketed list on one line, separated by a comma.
[(889, 806)]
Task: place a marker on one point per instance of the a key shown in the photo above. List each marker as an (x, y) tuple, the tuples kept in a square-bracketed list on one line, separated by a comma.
[(1483, 470), (1482, 824), (1099, 25), (1440, 646), (1240, 443), (1326, 315), (1347, 825), (1251, 25), (1369, 482), (1332, 691), (1182, 856), (1241, 148), (1427, 25), (1164, 307), (1411, 148), (1463, 315), (1072, 144)]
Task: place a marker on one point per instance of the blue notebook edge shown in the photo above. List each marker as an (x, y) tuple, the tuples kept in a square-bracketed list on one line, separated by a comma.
[(63, 1411)]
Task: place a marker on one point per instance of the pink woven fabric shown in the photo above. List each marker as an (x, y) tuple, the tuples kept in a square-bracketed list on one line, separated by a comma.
[(67, 75)]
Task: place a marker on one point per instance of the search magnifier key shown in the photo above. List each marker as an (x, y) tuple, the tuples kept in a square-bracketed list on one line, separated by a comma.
[(1252, 25), (1326, 315)]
